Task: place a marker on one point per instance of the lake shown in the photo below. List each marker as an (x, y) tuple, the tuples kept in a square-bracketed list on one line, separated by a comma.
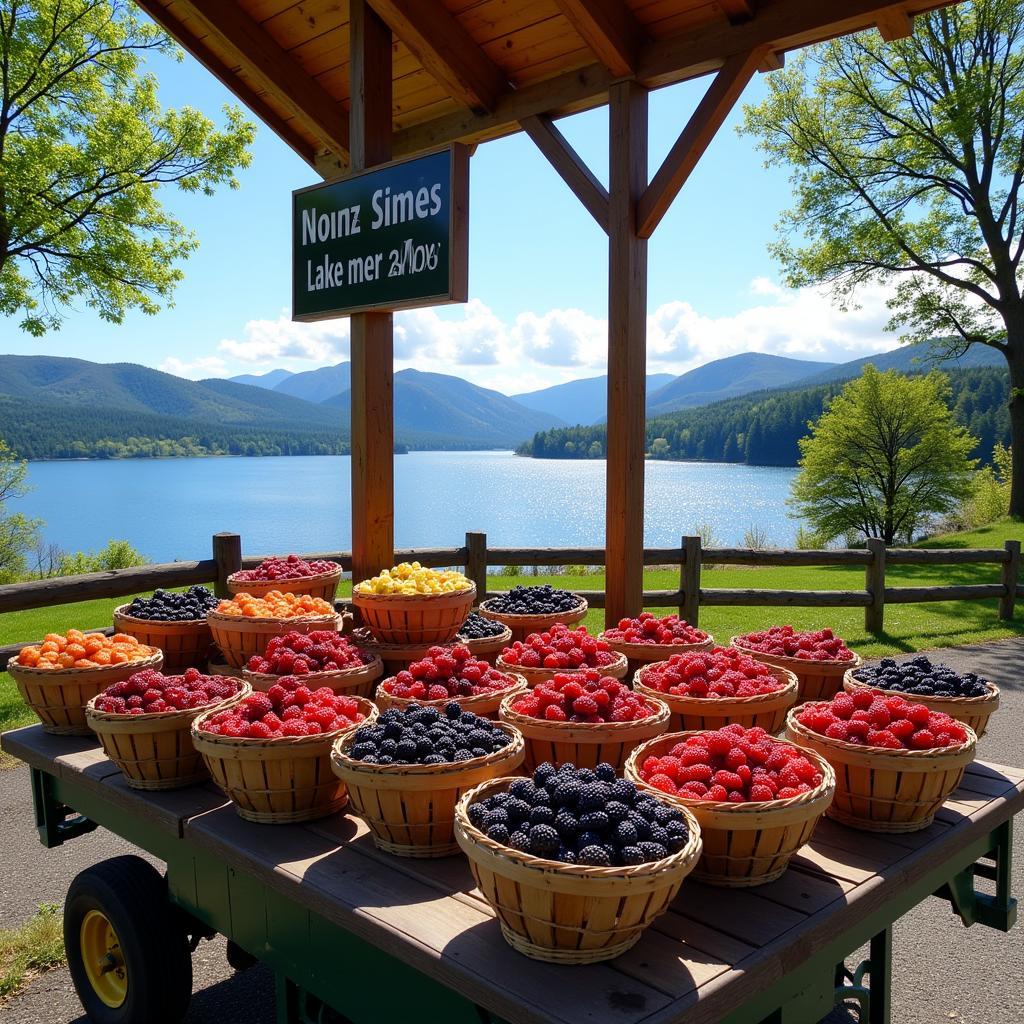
[(168, 508)]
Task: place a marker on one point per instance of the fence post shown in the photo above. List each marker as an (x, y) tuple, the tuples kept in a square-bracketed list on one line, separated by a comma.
[(476, 563), (689, 580), (874, 583), (227, 553), (1010, 569)]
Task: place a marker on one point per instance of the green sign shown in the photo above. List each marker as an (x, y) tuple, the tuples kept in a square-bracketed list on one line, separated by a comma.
[(389, 238)]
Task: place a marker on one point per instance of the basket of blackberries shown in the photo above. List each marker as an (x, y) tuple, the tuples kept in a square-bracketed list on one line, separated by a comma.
[(486, 638), (526, 610), (964, 696), (406, 772), (173, 621), (575, 862)]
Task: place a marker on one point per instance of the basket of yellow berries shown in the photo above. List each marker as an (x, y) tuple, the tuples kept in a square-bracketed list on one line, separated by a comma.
[(411, 604)]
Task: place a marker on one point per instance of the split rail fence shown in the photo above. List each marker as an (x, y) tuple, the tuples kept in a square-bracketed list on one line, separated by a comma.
[(475, 557)]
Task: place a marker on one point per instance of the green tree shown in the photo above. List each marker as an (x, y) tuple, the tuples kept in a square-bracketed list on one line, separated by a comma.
[(908, 162), (884, 456), (118, 554), (84, 148), (18, 533)]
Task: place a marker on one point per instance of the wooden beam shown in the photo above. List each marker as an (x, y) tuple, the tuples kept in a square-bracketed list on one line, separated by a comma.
[(738, 10), (772, 62), (372, 334), (627, 354), (895, 23), (271, 68), (609, 30), (567, 162), (695, 138), (228, 77), (446, 50)]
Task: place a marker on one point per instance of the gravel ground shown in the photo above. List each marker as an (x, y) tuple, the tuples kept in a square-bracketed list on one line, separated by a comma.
[(942, 972)]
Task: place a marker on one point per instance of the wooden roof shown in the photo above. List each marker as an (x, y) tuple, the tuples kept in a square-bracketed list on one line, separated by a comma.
[(473, 69)]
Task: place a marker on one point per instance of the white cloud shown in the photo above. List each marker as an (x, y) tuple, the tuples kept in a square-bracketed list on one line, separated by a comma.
[(204, 366), (539, 349)]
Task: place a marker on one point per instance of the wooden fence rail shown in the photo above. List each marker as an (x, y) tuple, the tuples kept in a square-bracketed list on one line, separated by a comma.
[(690, 557)]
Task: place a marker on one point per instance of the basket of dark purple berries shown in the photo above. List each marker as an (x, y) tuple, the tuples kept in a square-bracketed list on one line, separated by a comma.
[(528, 610), (174, 622), (486, 638), (964, 696), (575, 862)]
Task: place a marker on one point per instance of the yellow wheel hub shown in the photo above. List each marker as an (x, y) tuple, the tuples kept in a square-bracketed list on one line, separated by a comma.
[(101, 955)]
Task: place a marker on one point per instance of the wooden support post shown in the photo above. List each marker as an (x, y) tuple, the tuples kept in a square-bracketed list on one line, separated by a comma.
[(1011, 568), (689, 580), (874, 583), (476, 563), (372, 337), (627, 354), (227, 553)]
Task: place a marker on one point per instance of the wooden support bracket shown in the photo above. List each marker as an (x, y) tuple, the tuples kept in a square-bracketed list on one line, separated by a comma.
[(695, 138), (895, 23), (609, 30), (569, 165)]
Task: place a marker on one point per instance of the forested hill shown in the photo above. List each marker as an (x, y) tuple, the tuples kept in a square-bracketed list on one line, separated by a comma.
[(763, 429)]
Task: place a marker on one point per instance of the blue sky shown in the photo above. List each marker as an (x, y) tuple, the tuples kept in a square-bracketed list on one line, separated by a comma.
[(537, 269)]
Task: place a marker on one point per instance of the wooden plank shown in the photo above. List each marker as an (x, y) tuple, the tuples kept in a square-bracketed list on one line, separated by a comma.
[(372, 334), (39, 749), (964, 592), (805, 891), (738, 10), (739, 913), (446, 50), (787, 598), (749, 556), (627, 354), (696, 136), (874, 584), (945, 556), (1010, 572), (570, 167), (609, 29)]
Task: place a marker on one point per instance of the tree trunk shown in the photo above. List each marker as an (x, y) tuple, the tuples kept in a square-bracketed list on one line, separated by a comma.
[(1015, 361)]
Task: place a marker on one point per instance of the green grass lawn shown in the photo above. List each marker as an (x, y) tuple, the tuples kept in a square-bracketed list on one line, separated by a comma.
[(907, 627)]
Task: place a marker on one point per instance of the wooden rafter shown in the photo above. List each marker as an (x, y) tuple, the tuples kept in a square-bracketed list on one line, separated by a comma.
[(695, 138), (609, 30), (738, 10), (446, 50), (567, 162), (271, 68), (895, 23)]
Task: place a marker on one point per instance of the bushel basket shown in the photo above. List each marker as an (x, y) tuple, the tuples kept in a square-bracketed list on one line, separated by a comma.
[(411, 619), (59, 695), (641, 655), (749, 843), (523, 625), (155, 751), (186, 644), (816, 680), (766, 710), (487, 648), (278, 781), (239, 637), (536, 676), (569, 913), (882, 790), (410, 808), (324, 585), (485, 705), (358, 681)]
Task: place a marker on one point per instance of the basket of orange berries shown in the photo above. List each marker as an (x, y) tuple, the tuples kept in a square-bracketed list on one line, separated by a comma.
[(244, 624), (58, 677)]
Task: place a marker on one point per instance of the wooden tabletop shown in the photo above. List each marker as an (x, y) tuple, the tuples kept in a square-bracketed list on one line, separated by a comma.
[(699, 961)]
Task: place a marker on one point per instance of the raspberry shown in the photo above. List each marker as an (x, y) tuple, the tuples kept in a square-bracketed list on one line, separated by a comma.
[(837, 731), (923, 739), (664, 783)]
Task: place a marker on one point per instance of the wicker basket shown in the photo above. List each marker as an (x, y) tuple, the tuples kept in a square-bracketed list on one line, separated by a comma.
[(817, 680), (278, 781), (155, 751), (324, 584), (187, 644), (394, 656), (569, 913), (410, 619), (972, 711), (410, 808), (750, 843), (584, 744), (640, 655), (882, 790), (488, 648), (485, 705), (240, 637), (767, 710), (59, 695), (358, 681), (535, 676), (523, 625)]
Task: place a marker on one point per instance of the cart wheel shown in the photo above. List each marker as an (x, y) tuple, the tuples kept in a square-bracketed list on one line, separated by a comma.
[(128, 955)]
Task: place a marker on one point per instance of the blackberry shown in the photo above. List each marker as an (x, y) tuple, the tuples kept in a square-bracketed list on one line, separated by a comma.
[(566, 823), (389, 746), (165, 606), (594, 855), (642, 825), (659, 835), (566, 794), (593, 797), (452, 711), (921, 678), (434, 759), (653, 851), (406, 750), (594, 821), (626, 834), (543, 772), (566, 854), (631, 855), (541, 600), (478, 627), (589, 839), (542, 815), (463, 755), (499, 833), (518, 810), (616, 811), (585, 777), (477, 815), (499, 816), (605, 772), (623, 791), (544, 840), (664, 814), (520, 840), (521, 788)]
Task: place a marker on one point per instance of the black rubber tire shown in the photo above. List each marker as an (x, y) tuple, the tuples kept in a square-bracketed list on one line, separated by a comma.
[(133, 896)]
